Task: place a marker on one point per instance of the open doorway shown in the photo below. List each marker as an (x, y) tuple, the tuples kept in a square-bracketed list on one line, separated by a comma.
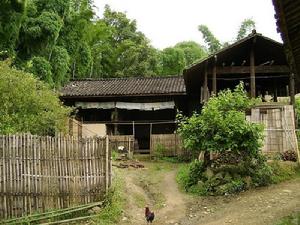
[(142, 135)]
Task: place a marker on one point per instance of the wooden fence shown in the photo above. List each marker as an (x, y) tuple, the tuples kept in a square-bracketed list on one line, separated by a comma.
[(121, 140), (167, 145), (42, 173)]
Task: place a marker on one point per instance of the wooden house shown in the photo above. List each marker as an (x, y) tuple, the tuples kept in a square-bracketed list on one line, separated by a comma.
[(288, 23), (127, 106), (256, 60)]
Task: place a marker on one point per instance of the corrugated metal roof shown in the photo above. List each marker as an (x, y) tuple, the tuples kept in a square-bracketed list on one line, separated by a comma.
[(125, 87)]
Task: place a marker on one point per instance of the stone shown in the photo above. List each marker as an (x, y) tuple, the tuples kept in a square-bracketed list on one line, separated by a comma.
[(209, 173), (96, 209)]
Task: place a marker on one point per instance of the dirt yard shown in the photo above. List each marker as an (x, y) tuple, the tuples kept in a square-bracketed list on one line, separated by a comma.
[(155, 186)]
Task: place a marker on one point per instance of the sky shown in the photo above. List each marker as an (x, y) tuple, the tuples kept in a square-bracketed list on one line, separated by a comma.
[(167, 22)]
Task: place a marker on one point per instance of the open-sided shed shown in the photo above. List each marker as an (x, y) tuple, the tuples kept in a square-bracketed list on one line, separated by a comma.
[(288, 23), (258, 61)]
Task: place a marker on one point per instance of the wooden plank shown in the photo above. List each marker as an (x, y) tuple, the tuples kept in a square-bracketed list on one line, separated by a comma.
[(263, 69), (252, 73)]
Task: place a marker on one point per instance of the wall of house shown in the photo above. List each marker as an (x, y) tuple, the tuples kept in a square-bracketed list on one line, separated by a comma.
[(93, 129), (279, 124)]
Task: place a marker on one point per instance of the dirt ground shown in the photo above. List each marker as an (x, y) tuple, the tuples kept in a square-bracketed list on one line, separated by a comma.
[(155, 186)]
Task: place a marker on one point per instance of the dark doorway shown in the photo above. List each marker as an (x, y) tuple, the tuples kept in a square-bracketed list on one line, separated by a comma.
[(142, 135)]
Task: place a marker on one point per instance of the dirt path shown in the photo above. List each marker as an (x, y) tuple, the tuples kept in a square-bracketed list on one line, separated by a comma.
[(176, 202), (263, 206), (158, 189)]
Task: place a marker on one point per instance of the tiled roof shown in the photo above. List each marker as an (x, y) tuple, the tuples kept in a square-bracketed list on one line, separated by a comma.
[(125, 87)]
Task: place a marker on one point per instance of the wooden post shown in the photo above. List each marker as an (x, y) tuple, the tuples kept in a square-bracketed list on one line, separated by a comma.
[(214, 77), (115, 119), (252, 73), (292, 89), (133, 131), (106, 164), (205, 96), (150, 138)]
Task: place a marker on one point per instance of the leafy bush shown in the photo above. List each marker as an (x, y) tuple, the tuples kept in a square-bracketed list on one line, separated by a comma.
[(159, 151), (222, 128), (28, 105), (222, 125), (231, 187), (189, 175)]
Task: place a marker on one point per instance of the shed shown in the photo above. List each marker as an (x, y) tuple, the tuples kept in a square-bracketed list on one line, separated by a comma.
[(288, 24), (258, 61), (128, 106)]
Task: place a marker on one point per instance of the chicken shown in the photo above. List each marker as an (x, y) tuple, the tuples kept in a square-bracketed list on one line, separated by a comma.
[(149, 215)]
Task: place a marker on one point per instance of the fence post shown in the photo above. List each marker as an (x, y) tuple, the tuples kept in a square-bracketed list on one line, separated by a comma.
[(106, 164)]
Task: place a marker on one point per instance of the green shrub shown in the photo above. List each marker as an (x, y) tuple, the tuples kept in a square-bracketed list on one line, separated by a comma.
[(231, 187), (159, 151), (284, 171)]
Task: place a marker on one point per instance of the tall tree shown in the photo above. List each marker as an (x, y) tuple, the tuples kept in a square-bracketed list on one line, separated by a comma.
[(192, 51), (172, 61), (213, 43), (11, 14), (245, 28)]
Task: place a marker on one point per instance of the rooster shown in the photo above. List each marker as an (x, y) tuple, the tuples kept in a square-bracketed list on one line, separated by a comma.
[(149, 215)]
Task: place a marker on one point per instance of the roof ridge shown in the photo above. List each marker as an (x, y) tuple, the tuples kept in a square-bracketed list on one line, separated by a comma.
[(127, 78)]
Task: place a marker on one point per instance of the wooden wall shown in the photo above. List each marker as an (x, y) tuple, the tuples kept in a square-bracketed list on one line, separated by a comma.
[(42, 173)]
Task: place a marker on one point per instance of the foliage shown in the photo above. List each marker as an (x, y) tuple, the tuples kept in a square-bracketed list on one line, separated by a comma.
[(28, 105), (114, 203), (284, 170), (41, 68), (193, 52), (172, 61), (222, 125), (222, 129), (60, 65), (213, 43), (292, 219), (159, 151), (11, 14), (245, 28)]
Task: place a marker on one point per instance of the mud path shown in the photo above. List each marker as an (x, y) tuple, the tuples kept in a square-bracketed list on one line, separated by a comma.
[(158, 189)]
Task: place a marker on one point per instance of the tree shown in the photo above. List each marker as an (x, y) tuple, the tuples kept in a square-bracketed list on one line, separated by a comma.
[(245, 28), (222, 126), (172, 61), (215, 45), (212, 42), (192, 51), (28, 105), (11, 14), (41, 68), (60, 61)]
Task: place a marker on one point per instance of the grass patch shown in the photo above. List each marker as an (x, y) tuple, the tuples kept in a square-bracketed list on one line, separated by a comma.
[(284, 170), (150, 185), (114, 204), (139, 200), (293, 219)]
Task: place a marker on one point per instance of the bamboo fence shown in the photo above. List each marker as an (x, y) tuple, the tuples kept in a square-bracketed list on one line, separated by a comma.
[(42, 173), (168, 145)]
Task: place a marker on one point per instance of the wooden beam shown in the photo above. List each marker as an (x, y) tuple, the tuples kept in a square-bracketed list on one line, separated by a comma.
[(214, 77), (275, 69), (252, 73), (292, 89), (205, 96)]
